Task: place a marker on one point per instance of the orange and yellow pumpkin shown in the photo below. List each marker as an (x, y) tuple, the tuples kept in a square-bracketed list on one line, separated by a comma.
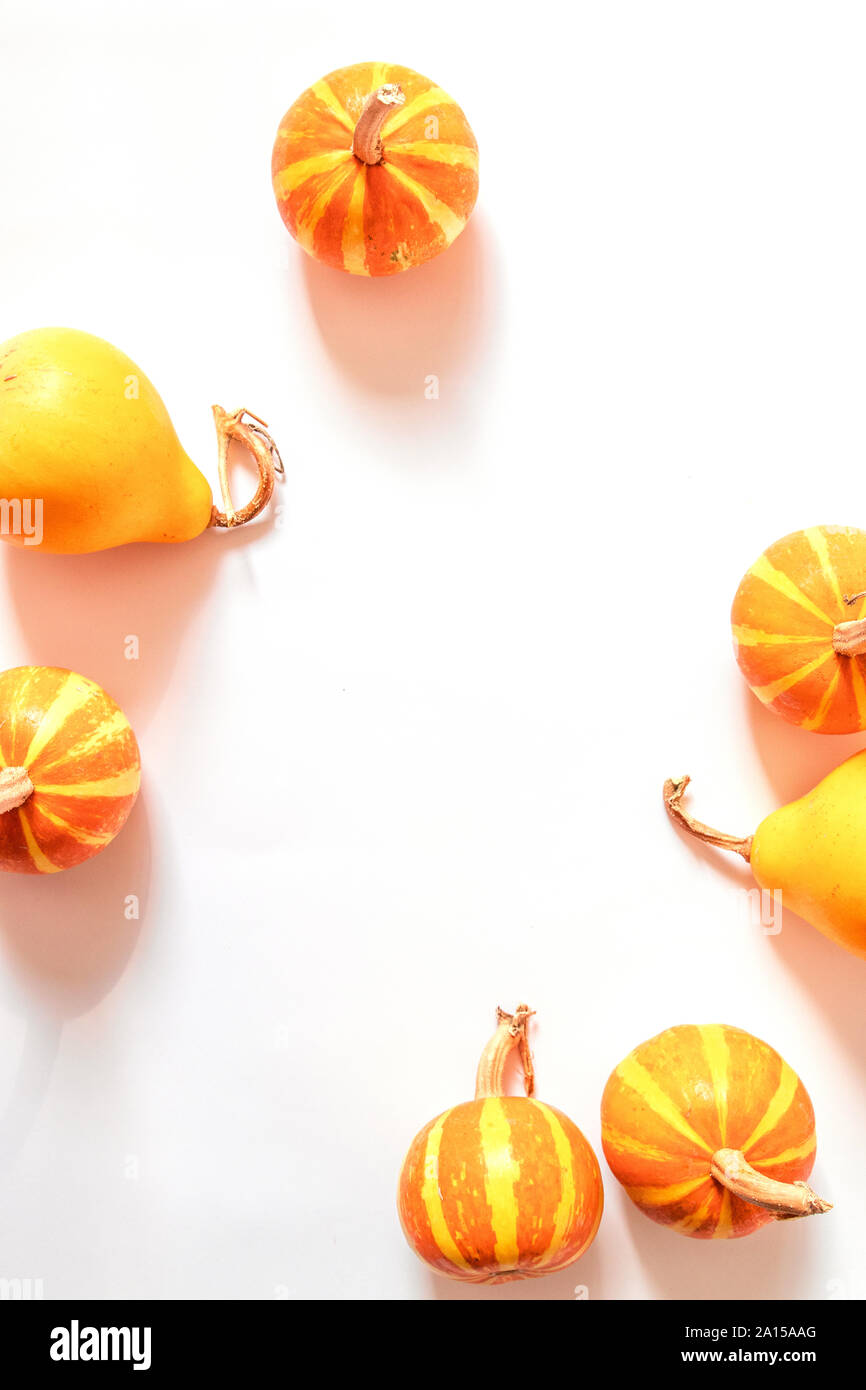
[(375, 169), (500, 1187), (710, 1132), (799, 625), (69, 769)]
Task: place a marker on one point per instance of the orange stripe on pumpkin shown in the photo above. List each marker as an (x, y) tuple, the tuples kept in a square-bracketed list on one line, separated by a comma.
[(39, 858)]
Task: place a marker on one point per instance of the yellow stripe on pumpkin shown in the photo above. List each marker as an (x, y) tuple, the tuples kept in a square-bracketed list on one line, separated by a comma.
[(73, 693), (816, 720), (777, 1108), (434, 96), (790, 1155), (568, 1194), (637, 1078), (290, 178), (353, 245), (501, 1173), (123, 784), (379, 76), (666, 1196), (437, 211), (630, 1144), (768, 693), (762, 569), (310, 217), (110, 727), (725, 1222), (74, 832), (40, 860), (431, 1196), (440, 151), (716, 1052), (328, 97), (696, 1218), (818, 542), (753, 637)]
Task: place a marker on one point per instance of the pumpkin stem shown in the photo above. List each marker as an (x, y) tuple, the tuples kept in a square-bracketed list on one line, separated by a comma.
[(367, 142), (510, 1033), (784, 1199), (673, 793), (849, 639), (15, 787), (254, 437)]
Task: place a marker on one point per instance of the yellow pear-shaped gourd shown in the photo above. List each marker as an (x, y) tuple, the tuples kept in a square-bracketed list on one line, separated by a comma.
[(812, 851), (89, 458)]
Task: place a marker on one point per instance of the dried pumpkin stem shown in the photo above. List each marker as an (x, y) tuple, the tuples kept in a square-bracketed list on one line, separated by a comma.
[(849, 639), (367, 141), (253, 434), (15, 787), (510, 1034), (784, 1199), (673, 793)]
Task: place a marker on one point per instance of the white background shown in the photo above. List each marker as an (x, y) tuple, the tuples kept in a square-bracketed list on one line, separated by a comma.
[(403, 752)]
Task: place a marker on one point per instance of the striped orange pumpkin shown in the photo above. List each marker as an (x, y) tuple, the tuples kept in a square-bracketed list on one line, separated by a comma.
[(69, 769), (375, 169), (710, 1132), (501, 1187), (799, 624)]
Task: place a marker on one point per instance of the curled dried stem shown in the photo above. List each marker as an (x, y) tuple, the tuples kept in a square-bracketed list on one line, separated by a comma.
[(674, 789), (784, 1199), (511, 1033), (252, 432)]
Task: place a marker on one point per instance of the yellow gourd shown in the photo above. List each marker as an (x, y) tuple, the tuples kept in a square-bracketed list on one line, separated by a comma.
[(812, 851), (89, 458)]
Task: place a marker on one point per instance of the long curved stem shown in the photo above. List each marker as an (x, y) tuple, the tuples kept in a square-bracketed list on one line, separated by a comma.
[(254, 436), (673, 794), (367, 140), (784, 1199), (510, 1034), (15, 787)]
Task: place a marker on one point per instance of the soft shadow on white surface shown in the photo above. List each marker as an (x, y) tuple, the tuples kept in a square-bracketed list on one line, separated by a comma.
[(388, 334), (65, 940), (66, 936), (836, 980), (29, 1083), (794, 759), (567, 1285), (78, 610), (579, 1282), (774, 1262)]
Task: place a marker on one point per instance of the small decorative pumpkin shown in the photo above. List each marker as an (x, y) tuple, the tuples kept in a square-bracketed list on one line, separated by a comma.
[(500, 1187), (89, 458), (799, 624), (375, 169), (710, 1132), (69, 769)]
